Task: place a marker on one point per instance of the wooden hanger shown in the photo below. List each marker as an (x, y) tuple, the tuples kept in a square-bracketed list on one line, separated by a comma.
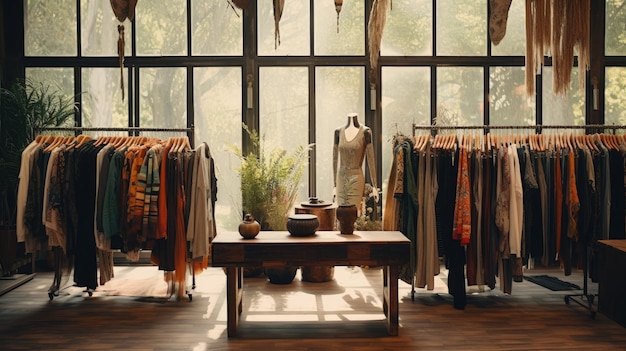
[(417, 142), (81, 140)]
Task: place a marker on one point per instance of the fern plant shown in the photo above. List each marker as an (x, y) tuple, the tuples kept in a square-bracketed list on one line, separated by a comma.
[(270, 181)]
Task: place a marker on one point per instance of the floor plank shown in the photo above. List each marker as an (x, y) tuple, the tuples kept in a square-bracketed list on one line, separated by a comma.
[(134, 312)]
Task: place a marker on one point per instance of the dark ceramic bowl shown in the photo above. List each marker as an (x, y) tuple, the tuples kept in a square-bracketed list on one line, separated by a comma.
[(302, 224)]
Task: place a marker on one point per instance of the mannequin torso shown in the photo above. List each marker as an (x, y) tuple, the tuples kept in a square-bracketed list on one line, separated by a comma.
[(352, 145)]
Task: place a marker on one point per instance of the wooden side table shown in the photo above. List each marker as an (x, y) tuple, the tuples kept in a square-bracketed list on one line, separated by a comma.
[(327, 215), (389, 249)]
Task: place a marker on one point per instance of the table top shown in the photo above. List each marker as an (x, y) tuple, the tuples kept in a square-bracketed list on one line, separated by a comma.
[(324, 248), (619, 244), (278, 237)]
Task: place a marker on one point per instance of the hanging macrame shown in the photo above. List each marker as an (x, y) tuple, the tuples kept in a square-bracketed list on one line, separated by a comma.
[(122, 9), (338, 4), (278, 13)]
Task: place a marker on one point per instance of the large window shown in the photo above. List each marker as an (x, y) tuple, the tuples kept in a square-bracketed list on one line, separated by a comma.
[(213, 67)]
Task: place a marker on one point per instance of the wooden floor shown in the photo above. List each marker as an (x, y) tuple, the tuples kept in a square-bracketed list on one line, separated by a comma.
[(133, 312)]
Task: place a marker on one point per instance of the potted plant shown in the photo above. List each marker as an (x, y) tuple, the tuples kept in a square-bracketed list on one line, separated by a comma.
[(347, 212), (270, 182), (26, 108)]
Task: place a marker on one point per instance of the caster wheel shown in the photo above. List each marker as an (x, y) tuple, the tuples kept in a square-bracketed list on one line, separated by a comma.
[(593, 315), (190, 297), (566, 300), (591, 298), (51, 296), (90, 293)]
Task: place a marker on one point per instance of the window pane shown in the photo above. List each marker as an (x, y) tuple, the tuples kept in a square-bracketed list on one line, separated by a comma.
[(99, 30), (408, 29), (460, 96), (50, 28), (405, 100), (615, 90), (558, 109), (343, 36), (514, 41), (163, 97), (338, 92), (217, 29), (508, 104), (102, 103), (614, 28), (57, 79), (217, 116), (293, 27), (284, 112), (161, 27), (461, 29)]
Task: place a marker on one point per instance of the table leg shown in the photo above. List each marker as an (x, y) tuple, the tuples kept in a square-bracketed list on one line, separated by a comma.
[(390, 298), (385, 291), (239, 290), (234, 282)]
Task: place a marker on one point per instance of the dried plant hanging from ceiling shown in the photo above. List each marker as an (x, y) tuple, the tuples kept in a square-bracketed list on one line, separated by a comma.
[(375, 26), (338, 5), (122, 9), (557, 27), (241, 4), (279, 5), (498, 19)]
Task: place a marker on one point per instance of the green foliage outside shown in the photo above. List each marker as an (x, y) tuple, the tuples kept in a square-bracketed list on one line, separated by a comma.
[(270, 181)]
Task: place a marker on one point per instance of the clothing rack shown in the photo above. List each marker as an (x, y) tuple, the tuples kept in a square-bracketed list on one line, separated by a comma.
[(538, 128), (118, 129), (584, 299), (133, 131)]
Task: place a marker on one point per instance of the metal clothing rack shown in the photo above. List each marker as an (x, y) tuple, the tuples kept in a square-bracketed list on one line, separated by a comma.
[(119, 129), (132, 130), (537, 128), (135, 132), (585, 299)]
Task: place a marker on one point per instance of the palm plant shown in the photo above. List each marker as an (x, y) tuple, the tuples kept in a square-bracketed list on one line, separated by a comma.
[(26, 108)]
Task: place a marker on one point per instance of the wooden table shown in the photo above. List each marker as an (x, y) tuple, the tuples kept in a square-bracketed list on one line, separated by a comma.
[(612, 279), (389, 249)]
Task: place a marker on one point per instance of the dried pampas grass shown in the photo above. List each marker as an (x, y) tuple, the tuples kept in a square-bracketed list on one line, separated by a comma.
[(378, 17), (558, 27)]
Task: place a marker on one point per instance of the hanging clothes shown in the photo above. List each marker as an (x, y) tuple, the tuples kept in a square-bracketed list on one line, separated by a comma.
[(520, 203), (85, 198)]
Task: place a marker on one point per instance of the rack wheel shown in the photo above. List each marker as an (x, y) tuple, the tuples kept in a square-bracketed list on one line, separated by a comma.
[(566, 298)]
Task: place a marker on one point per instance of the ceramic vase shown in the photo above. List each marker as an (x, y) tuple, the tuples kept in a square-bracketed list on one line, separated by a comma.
[(346, 216)]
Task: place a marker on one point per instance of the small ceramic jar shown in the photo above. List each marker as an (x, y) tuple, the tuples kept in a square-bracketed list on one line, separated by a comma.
[(249, 228)]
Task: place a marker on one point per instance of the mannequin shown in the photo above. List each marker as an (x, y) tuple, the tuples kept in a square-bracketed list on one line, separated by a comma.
[(352, 143)]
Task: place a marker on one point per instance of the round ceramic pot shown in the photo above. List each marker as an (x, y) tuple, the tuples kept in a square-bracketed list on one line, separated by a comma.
[(302, 224), (249, 228), (281, 275)]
